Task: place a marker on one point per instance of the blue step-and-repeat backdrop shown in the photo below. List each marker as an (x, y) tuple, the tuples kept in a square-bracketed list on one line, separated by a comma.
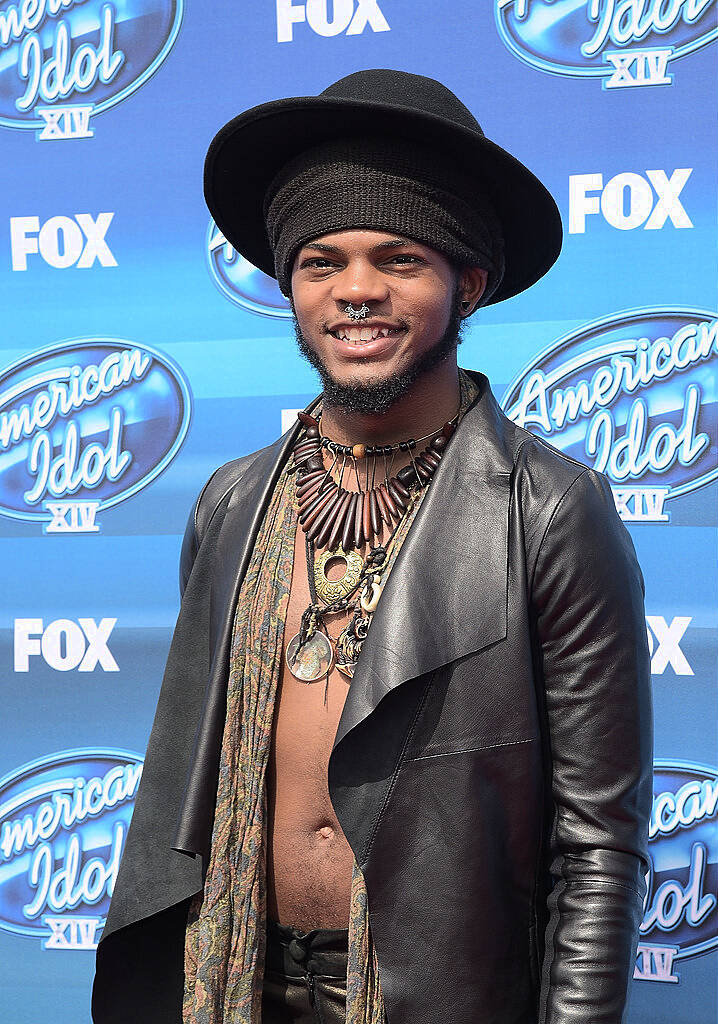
[(139, 351)]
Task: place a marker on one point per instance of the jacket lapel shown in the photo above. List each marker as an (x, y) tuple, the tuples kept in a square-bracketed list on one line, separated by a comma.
[(446, 595)]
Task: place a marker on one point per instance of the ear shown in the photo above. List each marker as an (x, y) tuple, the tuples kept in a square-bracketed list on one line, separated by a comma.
[(472, 282)]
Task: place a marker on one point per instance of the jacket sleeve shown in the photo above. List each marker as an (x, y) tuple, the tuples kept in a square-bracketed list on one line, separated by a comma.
[(590, 623)]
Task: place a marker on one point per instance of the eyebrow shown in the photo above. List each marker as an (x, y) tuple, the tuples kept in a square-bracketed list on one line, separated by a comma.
[(392, 243)]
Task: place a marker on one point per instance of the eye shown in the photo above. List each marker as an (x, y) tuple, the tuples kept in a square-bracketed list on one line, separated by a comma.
[(405, 256), (313, 261)]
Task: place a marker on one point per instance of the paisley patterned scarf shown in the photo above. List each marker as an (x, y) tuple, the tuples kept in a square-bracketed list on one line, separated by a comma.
[(226, 925), (225, 937)]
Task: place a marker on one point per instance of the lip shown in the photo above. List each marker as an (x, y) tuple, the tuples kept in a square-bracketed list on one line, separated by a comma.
[(366, 349)]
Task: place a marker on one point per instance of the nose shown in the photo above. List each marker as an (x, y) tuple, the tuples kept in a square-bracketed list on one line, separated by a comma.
[(359, 282)]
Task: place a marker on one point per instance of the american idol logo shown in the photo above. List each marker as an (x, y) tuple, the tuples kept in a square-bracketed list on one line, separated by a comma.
[(680, 916), (83, 426), (635, 397), (64, 61), (240, 281), (63, 823), (624, 43)]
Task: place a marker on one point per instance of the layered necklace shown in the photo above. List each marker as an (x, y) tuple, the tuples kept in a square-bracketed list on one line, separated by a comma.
[(337, 522)]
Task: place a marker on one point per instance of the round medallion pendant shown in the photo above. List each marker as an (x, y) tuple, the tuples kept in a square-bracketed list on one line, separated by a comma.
[(313, 660), (328, 590)]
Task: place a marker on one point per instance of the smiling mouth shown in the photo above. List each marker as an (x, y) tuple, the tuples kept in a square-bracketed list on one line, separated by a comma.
[(359, 335)]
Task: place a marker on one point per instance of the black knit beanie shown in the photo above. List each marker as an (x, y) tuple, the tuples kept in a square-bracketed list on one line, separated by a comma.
[(389, 184)]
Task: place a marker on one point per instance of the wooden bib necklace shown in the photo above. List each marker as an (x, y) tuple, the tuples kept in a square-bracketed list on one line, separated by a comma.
[(341, 521), (329, 514)]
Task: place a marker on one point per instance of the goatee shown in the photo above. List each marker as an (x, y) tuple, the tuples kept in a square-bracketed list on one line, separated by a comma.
[(378, 396)]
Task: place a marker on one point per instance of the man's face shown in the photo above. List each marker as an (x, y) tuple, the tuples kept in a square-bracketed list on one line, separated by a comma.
[(413, 323)]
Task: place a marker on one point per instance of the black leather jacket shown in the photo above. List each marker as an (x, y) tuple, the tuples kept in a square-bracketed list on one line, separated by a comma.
[(492, 766)]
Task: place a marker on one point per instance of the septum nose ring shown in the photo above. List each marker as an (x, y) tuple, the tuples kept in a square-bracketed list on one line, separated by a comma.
[(357, 314)]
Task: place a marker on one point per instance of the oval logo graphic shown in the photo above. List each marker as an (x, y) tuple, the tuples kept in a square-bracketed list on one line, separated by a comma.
[(84, 425), (624, 42), (633, 396), (240, 281), (681, 909), (64, 61), (63, 823)]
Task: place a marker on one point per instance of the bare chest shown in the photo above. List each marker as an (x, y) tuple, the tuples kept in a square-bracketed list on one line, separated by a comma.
[(309, 858)]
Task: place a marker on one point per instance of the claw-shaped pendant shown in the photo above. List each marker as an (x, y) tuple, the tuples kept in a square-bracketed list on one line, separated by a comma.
[(346, 668), (370, 595)]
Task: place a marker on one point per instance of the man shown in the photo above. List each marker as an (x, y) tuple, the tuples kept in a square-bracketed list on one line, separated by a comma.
[(400, 767)]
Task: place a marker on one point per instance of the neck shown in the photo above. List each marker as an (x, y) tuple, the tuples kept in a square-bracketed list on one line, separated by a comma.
[(426, 406)]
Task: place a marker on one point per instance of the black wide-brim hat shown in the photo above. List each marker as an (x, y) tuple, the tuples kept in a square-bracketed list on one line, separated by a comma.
[(246, 154)]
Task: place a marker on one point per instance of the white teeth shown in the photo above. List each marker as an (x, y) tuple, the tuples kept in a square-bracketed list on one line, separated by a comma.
[(359, 334)]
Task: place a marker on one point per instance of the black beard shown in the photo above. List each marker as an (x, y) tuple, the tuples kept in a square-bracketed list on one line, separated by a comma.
[(377, 398)]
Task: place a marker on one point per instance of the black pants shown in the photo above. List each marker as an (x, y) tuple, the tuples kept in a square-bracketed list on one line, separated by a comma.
[(305, 976)]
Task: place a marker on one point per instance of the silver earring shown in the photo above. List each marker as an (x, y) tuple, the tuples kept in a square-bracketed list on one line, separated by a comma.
[(465, 304), (357, 314)]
